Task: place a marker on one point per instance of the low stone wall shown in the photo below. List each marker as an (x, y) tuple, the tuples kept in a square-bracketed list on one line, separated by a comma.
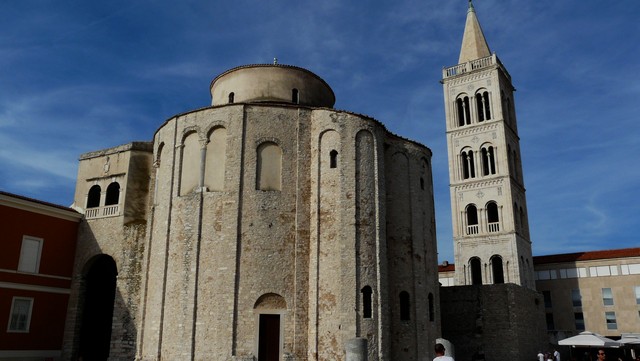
[(493, 322)]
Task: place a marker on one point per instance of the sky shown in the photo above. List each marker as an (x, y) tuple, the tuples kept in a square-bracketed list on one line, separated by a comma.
[(78, 76)]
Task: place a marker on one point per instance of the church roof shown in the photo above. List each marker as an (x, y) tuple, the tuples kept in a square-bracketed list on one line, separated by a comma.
[(474, 45)]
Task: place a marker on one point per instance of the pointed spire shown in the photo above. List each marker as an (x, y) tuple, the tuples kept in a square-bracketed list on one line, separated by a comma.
[(474, 45)]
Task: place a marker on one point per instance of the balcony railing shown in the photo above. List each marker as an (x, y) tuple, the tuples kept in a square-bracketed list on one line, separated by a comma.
[(473, 229), (474, 65), (100, 212), (494, 227)]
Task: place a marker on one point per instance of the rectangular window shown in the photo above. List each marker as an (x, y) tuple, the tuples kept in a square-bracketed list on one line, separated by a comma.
[(547, 299), (576, 297), (611, 320), (637, 289), (20, 316), (30, 254), (579, 317), (607, 297), (550, 324)]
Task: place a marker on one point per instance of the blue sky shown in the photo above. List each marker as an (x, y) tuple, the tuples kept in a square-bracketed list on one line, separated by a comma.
[(78, 76)]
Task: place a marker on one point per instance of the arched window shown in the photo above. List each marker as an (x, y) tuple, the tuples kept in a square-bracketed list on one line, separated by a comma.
[(482, 105), (295, 96), (523, 224), (493, 218), (497, 270), (366, 302), (190, 167), (508, 114), (516, 217), (476, 271), (113, 194), (468, 166), (488, 161), (93, 198), (215, 159), (231, 97), (405, 306), (463, 111), (503, 101), (333, 158), (472, 219), (269, 167), (431, 308), (515, 164)]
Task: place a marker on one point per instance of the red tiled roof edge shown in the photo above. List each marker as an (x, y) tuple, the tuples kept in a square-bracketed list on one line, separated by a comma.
[(37, 201), (587, 256)]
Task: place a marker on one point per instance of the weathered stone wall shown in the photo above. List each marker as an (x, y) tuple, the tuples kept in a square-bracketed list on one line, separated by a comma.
[(503, 322), (316, 242), (120, 237)]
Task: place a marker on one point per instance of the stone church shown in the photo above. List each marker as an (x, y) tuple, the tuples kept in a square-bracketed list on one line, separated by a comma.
[(271, 226)]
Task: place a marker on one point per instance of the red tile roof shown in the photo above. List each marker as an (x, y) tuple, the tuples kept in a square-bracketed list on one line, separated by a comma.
[(587, 256), (37, 201)]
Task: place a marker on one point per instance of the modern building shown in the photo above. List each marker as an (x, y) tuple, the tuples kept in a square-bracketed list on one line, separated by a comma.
[(598, 291), (269, 225), (36, 266)]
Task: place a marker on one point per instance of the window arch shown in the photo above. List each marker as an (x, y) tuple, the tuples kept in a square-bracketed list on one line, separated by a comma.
[(483, 106), (523, 224), (488, 160), (269, 167), (463, 110), (295, 96), (113, 194), (493, 218), (232, 96), (190, 166), (497, 269), (366, 302), (215, 159), (472, 219), (93, 198), (516, 217), (475, 267), (333, 159), (468, 165), (405, 306)]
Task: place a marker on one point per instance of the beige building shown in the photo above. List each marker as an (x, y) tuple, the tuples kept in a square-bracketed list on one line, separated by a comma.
[(268, 225), (598, 291)]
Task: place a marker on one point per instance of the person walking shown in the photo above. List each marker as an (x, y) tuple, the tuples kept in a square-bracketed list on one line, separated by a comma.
[(440, 353)]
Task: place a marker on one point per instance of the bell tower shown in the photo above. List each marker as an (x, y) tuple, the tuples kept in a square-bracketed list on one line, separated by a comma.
[(488, 203)]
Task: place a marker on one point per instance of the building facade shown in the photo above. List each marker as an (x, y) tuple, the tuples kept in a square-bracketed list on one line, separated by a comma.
[(598, 291), (267, 226), (36, 264)]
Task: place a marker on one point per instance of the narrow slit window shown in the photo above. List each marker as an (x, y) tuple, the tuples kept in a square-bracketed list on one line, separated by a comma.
[(366, 302), (232, 96), (405, 306), (295, 96), (333, 159)]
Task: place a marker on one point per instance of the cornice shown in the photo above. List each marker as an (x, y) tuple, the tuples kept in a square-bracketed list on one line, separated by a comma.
[(35, 206)]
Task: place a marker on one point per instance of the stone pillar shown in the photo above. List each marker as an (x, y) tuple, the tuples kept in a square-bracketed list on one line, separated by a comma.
[(356, 349)]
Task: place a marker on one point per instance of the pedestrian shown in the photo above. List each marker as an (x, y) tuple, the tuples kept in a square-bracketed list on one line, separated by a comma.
[(540, 356), (601, 355), (440, 354), (556, 355)]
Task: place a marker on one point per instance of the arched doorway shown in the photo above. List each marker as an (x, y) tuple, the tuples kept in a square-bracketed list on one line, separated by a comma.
[(476, 271), (97, 311), (270, 310)]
